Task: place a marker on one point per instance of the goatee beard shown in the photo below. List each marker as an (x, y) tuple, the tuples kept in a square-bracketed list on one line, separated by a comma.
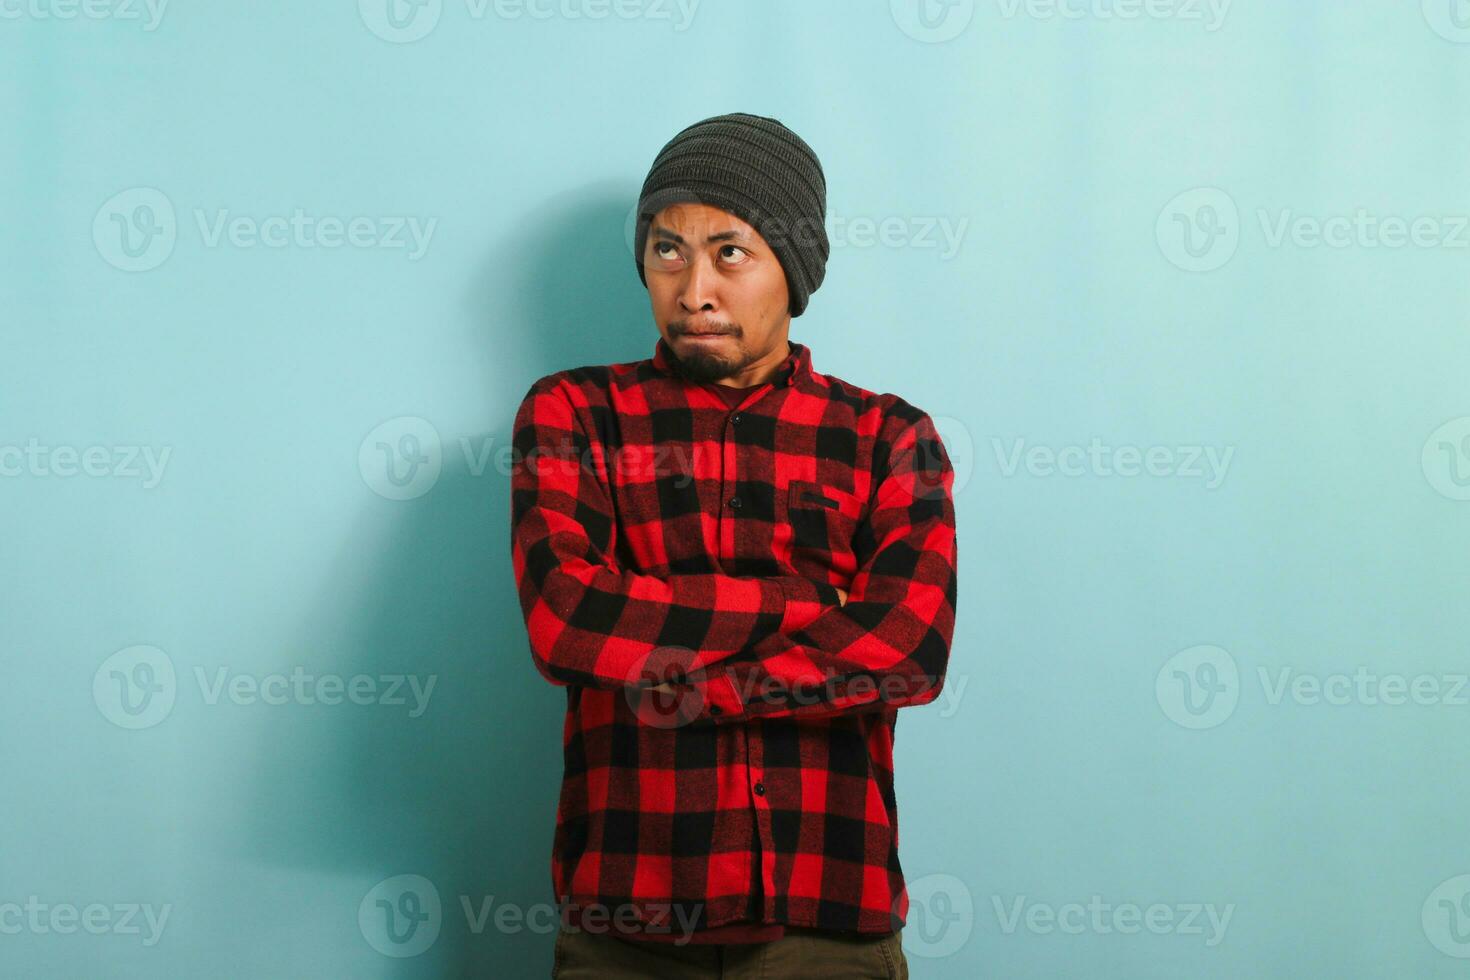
[(704, 368)]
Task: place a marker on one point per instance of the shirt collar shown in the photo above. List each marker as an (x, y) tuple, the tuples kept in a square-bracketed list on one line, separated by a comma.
[(797, 365)]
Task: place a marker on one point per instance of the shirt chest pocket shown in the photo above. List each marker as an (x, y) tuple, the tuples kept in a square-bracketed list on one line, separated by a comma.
[(823, 521)]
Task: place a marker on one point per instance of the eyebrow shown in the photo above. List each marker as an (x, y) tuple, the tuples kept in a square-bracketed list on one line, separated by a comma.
[(722, 236)]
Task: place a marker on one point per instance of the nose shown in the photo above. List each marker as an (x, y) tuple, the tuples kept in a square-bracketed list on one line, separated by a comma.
[(697, 291)]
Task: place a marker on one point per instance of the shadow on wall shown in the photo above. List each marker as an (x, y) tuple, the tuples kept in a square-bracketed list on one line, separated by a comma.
[(465, 793)]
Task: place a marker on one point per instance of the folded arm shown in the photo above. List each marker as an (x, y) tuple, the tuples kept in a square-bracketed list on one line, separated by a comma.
[(593, 624), (888, 645)]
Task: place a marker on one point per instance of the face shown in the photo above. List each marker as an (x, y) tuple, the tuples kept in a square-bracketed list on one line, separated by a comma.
[(719, 294)]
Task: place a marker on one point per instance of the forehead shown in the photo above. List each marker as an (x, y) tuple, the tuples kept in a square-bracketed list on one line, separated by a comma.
[(688, 216)]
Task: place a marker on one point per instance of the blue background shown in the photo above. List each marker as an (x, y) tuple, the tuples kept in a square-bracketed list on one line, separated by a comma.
[(1133, 202)]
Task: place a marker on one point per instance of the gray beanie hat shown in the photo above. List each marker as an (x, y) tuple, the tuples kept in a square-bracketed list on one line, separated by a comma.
[(759, 171)]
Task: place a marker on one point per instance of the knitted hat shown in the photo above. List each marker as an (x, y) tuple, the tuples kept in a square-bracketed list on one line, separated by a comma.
[(759, 171)]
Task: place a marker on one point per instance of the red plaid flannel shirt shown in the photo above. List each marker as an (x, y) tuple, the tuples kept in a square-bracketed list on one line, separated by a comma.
[(658, 536)]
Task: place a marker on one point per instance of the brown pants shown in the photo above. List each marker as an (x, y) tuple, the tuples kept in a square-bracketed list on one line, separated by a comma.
[(805, 954)]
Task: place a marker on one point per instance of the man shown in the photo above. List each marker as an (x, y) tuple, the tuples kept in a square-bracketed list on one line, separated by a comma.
[(739, 569)]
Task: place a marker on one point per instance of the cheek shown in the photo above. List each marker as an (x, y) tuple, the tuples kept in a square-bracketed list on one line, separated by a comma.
[(775, 292)]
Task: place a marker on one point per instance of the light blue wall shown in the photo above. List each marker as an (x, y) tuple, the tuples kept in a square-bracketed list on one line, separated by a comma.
[(1075, 757)]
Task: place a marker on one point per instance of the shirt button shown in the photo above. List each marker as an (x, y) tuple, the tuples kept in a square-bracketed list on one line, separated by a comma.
[(735, 502), (760, 789), (715, 709), (735, 419)]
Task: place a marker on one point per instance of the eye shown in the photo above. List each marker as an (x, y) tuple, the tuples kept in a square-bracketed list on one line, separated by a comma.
[(658, 248), (736, 248)]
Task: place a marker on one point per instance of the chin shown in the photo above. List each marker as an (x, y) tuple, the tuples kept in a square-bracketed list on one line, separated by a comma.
[(706, 367)]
